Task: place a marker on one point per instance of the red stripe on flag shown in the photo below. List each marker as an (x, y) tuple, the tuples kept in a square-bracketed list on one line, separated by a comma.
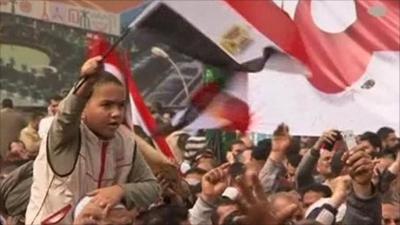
[(145, 113)]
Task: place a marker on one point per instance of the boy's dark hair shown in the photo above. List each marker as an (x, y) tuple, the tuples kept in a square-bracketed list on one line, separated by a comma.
[(372, 138), (7, 103), (165, 215), (105, 77), (384, 132)]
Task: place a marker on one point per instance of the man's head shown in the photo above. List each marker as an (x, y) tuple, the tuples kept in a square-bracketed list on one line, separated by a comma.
[(324, 163), (237, 147), (7, 103), (86, 213), (34, 120), (17, 150), (281, 200), (371, 140), (205, 160), (293, 161), (104, 112), (313, 193), (235, 151), (390, 213), (225, 212), (193, 177), (159, 215), (388, 137), (54, 102), (260, 153)]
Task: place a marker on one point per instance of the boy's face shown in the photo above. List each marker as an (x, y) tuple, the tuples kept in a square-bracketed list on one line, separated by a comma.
[(105, 110)]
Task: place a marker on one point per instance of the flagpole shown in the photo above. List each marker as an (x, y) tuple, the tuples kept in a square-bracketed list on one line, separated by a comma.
[(146, 12), (116, 43)]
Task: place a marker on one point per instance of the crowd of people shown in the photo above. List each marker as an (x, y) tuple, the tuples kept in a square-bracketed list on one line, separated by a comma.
[(64, 46), (80, 165)]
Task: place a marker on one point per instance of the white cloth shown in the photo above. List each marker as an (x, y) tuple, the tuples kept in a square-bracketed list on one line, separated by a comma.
[(341, 210), (44, 126), (84, 201)]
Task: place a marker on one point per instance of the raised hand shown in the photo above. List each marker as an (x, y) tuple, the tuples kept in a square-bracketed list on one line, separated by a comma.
[(257, 208), (214, 183), (280, 143), (281, 138), (328, 136), (92, 66), (360, 164), (107, 197)]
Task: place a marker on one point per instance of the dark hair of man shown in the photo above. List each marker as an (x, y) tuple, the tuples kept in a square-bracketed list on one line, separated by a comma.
[(7, 103), (235, 142), (294, 159), (223, 201), (384, 132), (165, 215), (308, 222), (56, 98), (295, 145), (262, 149), (319, 188), (35, 116), (196, 170), (372, 138)]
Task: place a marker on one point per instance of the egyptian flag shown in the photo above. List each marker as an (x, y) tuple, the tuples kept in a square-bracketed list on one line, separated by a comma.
[(137, 112), (227, 43), (348, 62)]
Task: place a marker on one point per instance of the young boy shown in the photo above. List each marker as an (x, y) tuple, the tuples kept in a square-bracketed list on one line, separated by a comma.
[(87, 150)]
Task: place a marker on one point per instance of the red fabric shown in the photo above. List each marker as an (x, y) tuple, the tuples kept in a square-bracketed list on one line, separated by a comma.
[(236, 111), (336, 61), (102, 163), (56, 217), (202, 97), (147, 116)]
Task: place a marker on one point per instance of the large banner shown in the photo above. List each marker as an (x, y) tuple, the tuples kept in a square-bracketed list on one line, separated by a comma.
[(352, 53), (66, 14)]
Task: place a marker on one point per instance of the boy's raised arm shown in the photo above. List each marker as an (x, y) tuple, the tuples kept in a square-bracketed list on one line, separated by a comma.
[(63, 139)]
